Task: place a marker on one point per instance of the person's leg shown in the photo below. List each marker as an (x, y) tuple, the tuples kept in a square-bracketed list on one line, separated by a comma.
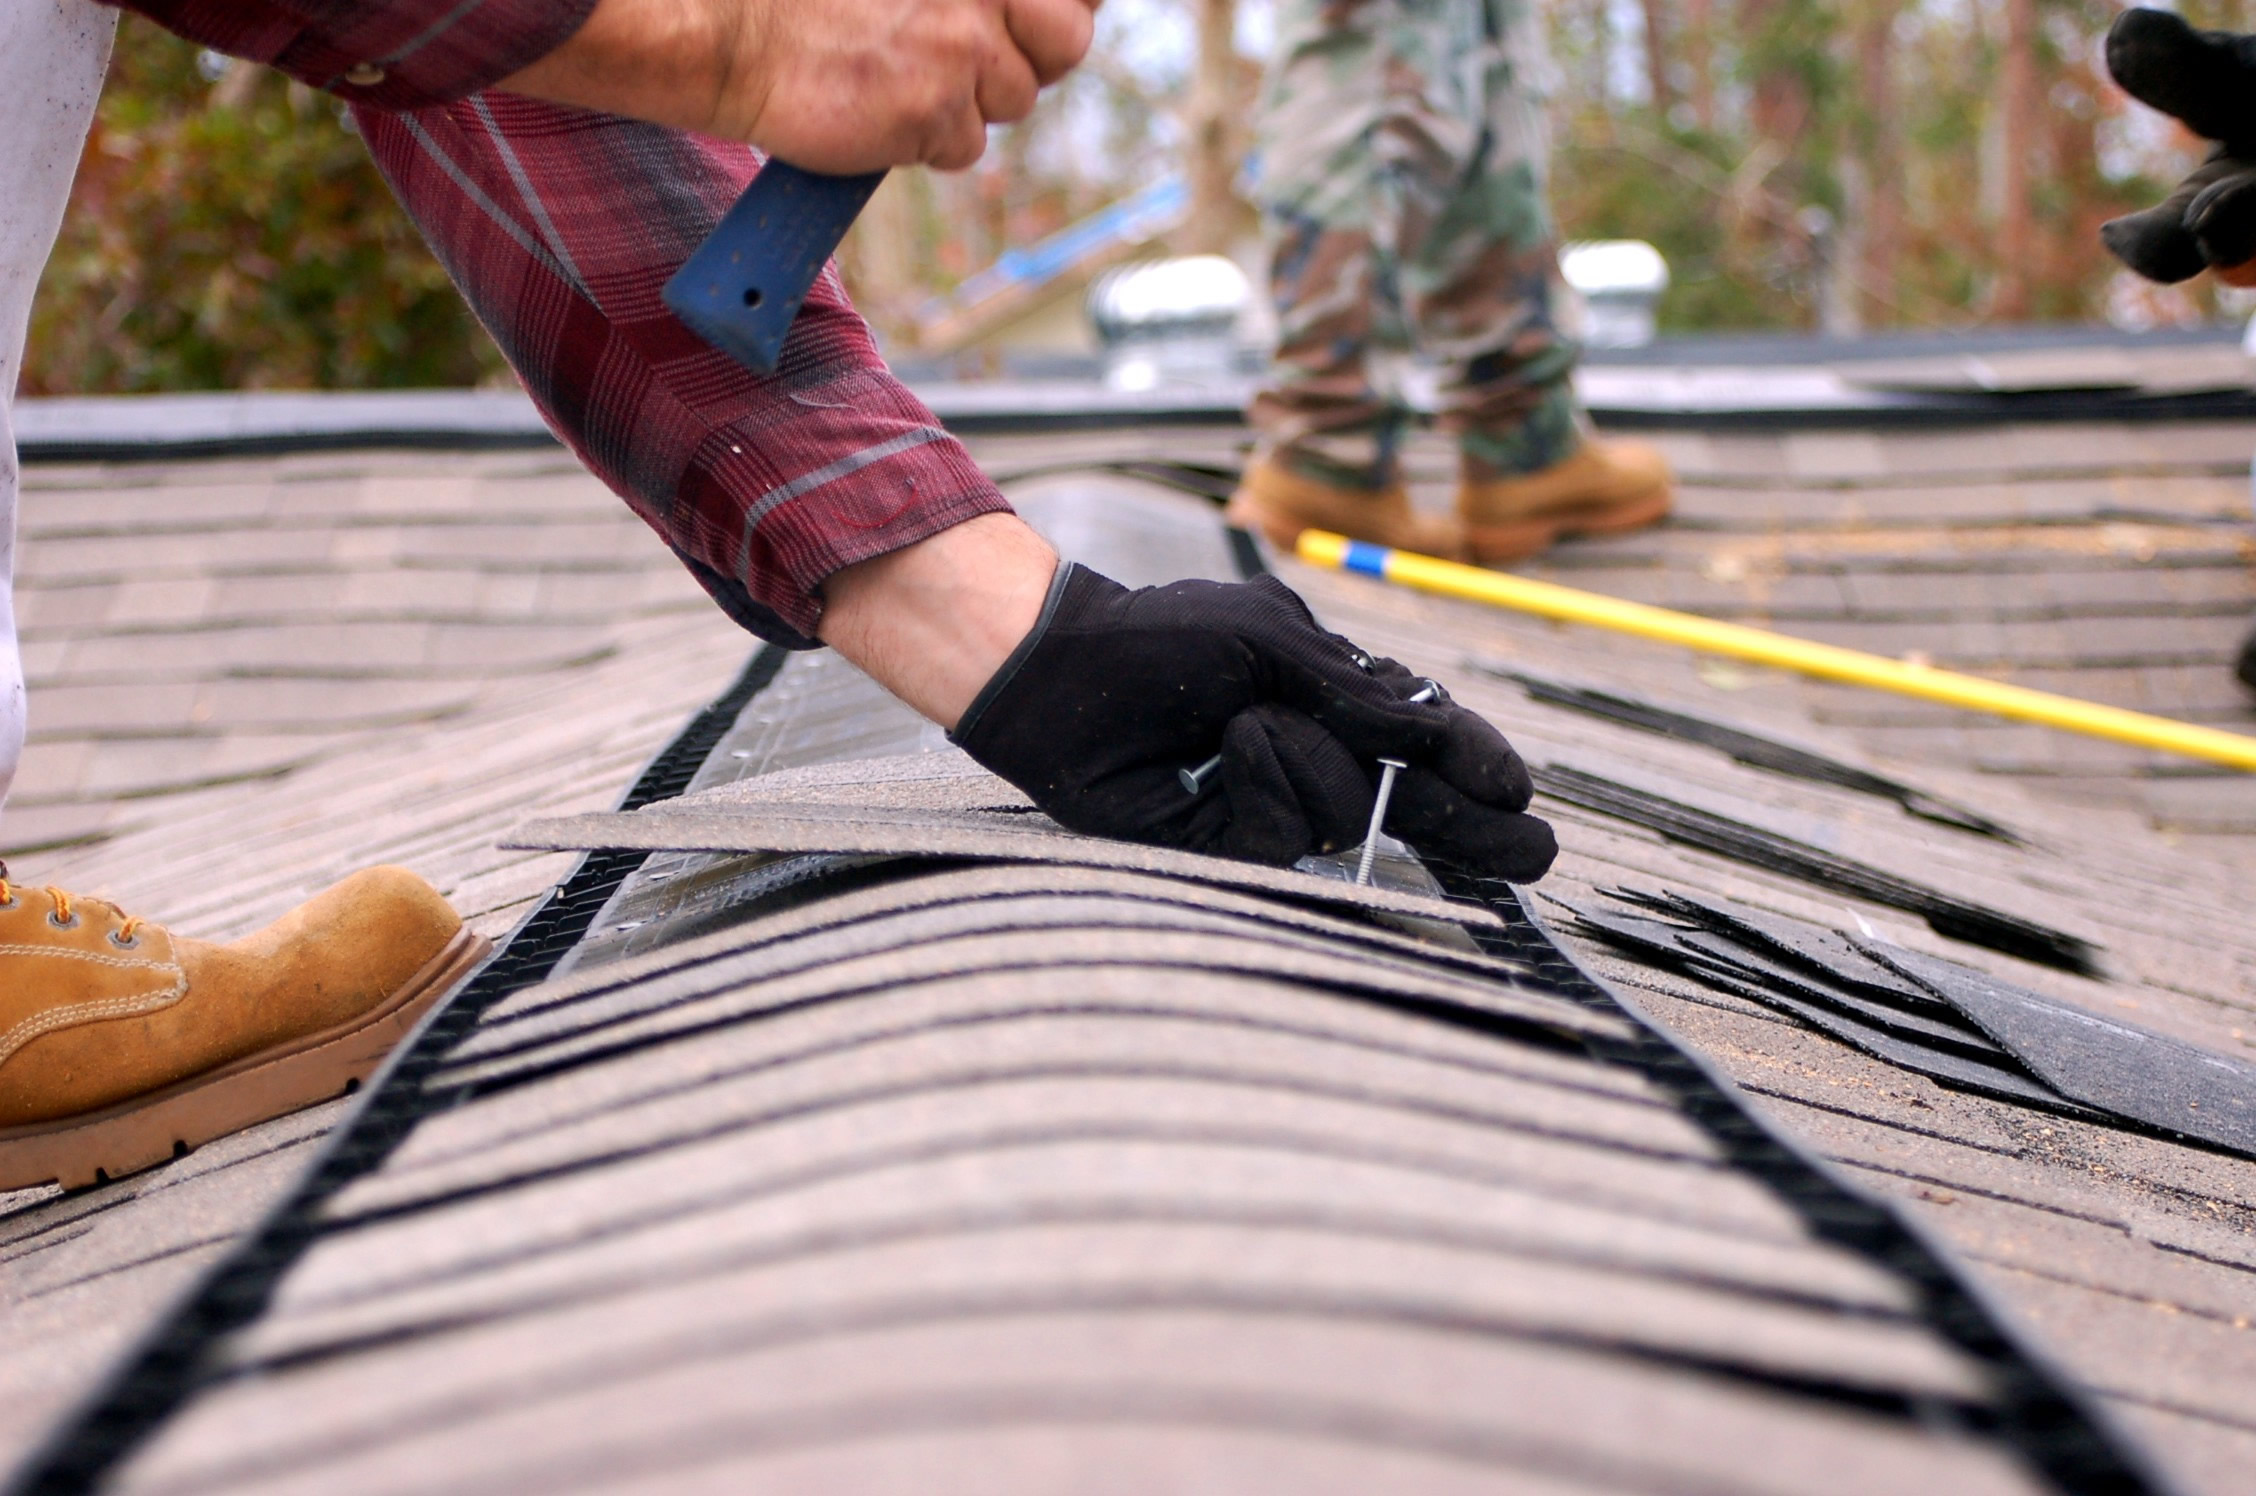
[(1466, 157), (52, 57), (120, 1043), (1313, 132), (1328, 436), (1465, 152)]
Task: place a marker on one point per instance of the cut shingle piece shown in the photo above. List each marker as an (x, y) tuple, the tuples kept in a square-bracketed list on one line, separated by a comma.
[(1811, 947), (2102, 1062), (2006, 1040), (1903, 1021), (1764, 847), (1950, 1066), (918, 806)]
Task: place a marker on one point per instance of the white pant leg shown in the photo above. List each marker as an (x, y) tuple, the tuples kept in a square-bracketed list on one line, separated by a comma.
[(52, 57)]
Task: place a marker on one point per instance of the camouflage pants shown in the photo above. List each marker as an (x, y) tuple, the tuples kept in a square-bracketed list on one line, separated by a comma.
[(1402, 164)]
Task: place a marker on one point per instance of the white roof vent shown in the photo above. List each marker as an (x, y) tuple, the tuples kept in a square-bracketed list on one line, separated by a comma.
[(1169, 298), (1620, 282), (1615, 267)]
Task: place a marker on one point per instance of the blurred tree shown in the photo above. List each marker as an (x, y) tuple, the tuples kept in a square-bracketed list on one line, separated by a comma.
[(1841, 164), (1830, 164), (1872, 179), (227, 231)]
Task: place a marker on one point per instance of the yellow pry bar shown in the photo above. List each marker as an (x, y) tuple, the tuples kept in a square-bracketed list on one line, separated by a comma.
[(1761, 647)]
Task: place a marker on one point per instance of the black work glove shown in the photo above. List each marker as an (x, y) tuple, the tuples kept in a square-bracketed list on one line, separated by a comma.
[(1115, 692), (2207, 79)]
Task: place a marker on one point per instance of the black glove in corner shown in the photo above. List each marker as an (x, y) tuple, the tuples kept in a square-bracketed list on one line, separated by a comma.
[(1114, 692), (2207, 80)]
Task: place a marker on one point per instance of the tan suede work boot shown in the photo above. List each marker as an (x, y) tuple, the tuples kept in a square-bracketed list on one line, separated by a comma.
[(1280, 503), (122, 1045), (1606, 487)]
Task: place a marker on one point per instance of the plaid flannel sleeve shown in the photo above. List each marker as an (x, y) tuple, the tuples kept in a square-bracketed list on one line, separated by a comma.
[(561, 226), (394, 54)]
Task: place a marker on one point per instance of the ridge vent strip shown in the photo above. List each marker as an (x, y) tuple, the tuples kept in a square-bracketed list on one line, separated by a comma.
[(171, 1363), (2054, 1428)]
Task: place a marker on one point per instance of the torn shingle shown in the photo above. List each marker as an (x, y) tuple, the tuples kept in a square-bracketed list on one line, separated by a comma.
[(2000, 1039)]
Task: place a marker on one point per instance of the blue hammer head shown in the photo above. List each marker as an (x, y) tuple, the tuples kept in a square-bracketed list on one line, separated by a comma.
[(743, 287)]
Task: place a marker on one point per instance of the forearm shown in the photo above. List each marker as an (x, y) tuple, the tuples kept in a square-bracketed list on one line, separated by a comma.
[(934, 621), (561, 228), (656, 60), (831, 85)]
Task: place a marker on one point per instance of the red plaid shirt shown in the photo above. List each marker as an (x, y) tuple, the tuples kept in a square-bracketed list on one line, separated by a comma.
[(560, 226)]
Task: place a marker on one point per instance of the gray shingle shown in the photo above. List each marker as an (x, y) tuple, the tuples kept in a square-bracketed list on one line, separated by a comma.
[(1234, 1096)]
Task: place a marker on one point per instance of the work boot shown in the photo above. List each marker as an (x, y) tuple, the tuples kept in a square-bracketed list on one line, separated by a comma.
[(1605, 487), (123, 1045), (1280, 503)]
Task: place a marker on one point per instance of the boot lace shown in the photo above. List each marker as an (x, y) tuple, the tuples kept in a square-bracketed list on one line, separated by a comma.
[(65, 912)]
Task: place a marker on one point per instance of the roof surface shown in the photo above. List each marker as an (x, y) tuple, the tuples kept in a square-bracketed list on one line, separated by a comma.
[(1285, 1168)]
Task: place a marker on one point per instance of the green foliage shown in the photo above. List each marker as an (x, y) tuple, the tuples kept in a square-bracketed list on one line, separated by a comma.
[(232, 233), (1847, 165), (235, 235), (1619, 178)]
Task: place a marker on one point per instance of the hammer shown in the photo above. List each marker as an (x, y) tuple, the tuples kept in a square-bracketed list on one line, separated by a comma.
[(743, 287)]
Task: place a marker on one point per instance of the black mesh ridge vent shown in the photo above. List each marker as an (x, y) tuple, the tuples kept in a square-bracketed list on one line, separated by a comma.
[(2050, 1427), (2053, 1428), (165, 1370)]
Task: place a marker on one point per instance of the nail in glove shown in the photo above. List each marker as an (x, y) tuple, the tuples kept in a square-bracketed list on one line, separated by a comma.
[(1116, 691), (2207, 79)]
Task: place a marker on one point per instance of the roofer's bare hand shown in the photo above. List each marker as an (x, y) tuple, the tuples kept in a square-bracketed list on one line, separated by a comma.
[(831, 85)]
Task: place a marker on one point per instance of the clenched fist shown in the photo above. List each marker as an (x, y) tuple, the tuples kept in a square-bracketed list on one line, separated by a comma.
[(831, 85)]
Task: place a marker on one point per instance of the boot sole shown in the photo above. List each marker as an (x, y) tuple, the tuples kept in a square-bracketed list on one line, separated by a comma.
[(153, 1129), (1499, 545)]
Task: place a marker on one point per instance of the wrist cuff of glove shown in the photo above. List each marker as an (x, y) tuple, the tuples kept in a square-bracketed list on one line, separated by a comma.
[(1001, 679)]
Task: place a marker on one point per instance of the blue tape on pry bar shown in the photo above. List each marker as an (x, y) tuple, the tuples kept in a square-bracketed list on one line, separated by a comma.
[(1364, 557), (743, 287)]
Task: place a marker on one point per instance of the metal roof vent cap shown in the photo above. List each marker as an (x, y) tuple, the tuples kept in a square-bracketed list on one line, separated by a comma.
[(1620, 282), (1170, 321)]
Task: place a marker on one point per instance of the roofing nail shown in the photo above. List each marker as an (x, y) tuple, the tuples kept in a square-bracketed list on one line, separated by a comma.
[(1194, 780), (1388, 768)]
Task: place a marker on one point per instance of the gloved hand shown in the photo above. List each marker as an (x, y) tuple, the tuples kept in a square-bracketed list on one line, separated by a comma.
[(1117, 691), (2207, 79)]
